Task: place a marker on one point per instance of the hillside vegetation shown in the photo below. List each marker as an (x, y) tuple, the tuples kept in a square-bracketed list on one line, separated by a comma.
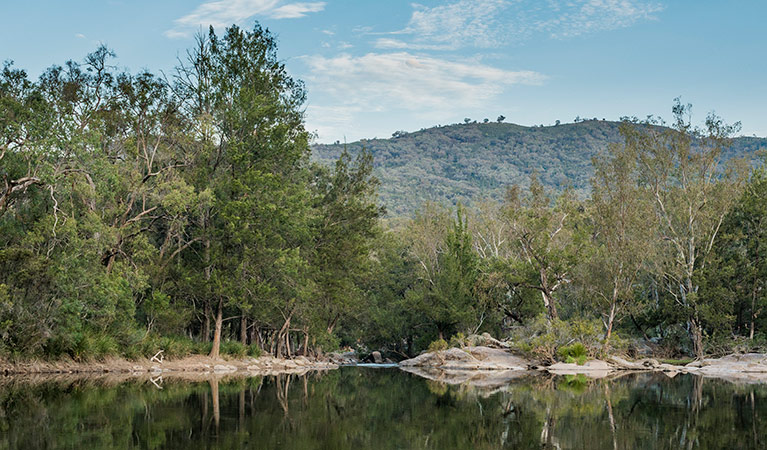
[(464, 162)]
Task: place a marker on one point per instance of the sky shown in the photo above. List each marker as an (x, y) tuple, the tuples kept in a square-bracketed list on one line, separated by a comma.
[(373, 67)]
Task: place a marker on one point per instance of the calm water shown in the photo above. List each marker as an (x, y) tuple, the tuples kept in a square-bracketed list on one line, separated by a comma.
[(358, 408)]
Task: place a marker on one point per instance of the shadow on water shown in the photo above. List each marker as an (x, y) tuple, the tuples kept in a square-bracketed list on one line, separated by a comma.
[(354, 408)]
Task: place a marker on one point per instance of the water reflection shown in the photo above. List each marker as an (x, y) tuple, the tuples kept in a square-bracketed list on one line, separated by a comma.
[(355, 408)]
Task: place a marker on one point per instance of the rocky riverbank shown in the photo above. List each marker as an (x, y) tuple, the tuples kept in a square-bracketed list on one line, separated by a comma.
[(486, 364), (264, 365)]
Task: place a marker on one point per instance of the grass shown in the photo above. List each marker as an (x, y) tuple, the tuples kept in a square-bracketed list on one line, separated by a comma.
[(677, 362)]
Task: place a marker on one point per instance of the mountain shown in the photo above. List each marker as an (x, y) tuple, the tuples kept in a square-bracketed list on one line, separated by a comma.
[(465, 162)]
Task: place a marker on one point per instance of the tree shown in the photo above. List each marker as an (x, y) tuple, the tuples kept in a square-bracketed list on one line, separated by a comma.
[(443, 247), (737, 265), (244, 94), (345, 226), (619, 212), (501, 118), (679, 167), (545, 239)]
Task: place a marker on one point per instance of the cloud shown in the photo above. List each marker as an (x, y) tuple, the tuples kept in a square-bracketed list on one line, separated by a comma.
[(402, 82), (413, 82), (492, 23), (223, 13), (80, 36)]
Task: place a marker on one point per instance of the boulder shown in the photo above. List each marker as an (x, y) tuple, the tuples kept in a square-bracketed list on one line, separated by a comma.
[(469, 358), (377, 357), (594, 368), (622, 364)]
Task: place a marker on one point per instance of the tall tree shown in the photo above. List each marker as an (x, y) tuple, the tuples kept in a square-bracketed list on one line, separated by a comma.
[(680, 169), (545, 237), (621, 235), (345, 225)]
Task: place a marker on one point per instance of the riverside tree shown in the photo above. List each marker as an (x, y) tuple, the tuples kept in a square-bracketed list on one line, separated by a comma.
[(680, 169)]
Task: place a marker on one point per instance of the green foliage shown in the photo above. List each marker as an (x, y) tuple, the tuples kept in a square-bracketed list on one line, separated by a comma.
[(438, 345), (575, 352), (458, 340), (549, 341)]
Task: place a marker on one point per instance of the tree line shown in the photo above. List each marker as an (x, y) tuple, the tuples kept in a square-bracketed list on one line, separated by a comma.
[(140, 211), (670, 248), (136, 206)]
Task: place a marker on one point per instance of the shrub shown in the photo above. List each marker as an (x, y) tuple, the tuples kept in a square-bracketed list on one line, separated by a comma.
[(255, 351), (542, 339), (459, 340), (234, 348), (573, 353), (439, 344)]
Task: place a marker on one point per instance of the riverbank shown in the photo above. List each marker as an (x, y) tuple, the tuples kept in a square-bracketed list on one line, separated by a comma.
[(195, 363), (481, 364)]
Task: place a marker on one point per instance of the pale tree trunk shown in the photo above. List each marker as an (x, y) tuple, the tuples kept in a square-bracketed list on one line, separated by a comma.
[(548, 297), (206, 324), (306, 342), (551, 307), (610, 321), (754, 313), (282, 336), (697, 337), (214, 351)]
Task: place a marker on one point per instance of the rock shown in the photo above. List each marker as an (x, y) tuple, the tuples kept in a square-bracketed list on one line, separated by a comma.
[(469, 358), (594, 369), (484, 340), (651, 363), (622, 364), (224, 368), (377, 357)]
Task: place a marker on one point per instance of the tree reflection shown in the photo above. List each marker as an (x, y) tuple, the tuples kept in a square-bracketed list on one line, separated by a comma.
[(356, 408)]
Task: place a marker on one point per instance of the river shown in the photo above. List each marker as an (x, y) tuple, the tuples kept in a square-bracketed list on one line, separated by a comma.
[(380, 408)]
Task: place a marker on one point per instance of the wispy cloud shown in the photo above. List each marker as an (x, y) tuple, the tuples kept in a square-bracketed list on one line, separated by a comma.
[(80, 36), (492, 23), (402, 81), (223, 13)]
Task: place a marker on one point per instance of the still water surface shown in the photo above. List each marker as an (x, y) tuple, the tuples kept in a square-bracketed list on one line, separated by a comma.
[(367, 408)]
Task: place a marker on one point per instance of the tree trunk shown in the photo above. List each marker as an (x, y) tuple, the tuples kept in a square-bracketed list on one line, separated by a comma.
[(753, 310), (243, 330), (551, 308), (697, 337), (306, 342), (206, 323), (610, 321), (214, 351)]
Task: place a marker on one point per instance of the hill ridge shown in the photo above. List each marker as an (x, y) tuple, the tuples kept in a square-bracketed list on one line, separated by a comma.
[(466, 162)]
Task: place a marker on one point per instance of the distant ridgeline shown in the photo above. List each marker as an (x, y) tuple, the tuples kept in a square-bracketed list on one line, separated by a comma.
[(467, 162)]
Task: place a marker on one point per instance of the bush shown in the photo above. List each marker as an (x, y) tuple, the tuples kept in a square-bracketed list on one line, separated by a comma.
[(438, 345), (255, 351), (234, 348), (573, 353), (543, 340), (459, 340)]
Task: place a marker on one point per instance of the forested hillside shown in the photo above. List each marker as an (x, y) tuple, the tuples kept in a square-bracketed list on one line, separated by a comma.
[(464, 162)]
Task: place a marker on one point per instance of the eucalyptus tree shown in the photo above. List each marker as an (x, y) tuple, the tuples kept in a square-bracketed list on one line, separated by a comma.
[(680, 169), (545, 237), (619, 211)]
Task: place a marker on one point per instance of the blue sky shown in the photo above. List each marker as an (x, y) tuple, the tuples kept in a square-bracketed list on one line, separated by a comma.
[(374, 67)]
